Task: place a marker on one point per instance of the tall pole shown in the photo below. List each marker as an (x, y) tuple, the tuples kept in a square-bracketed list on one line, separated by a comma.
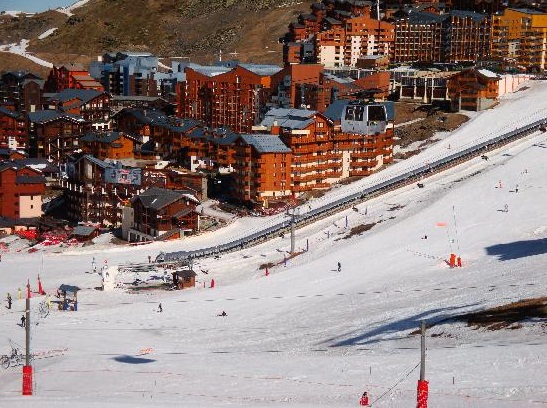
[(292, 232), (423, 385), (27, 332), (422, 361), (27, 368)]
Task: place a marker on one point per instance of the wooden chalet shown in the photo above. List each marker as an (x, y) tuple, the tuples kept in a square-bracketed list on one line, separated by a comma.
[(473, 89), (160, 214)]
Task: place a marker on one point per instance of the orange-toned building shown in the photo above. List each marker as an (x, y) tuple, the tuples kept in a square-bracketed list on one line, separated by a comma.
[(163, 214), (309, 135), (108, 145), (220, 96), (473, 89), (519, 37), (13, 130), (262, 168), (347, 39), (340, 32), (21, 190), (73, 76)]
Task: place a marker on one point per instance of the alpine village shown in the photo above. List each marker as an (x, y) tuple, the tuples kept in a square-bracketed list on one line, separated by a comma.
[(130, 144)]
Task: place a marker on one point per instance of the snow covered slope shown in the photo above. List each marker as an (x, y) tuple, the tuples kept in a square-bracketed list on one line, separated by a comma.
[(307, 335)]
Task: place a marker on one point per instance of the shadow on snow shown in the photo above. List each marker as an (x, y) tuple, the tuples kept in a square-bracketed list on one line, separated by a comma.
[(133, 360), (397, 329), (518, 249)]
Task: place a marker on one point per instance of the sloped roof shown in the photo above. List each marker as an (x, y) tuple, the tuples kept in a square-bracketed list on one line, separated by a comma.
[(489, 74), (83, 230), (45, 116), (266, 143), (262, 69), (84, 95), (30, 179), (289, 118), (158, 198), (107, 137), (7, 112)]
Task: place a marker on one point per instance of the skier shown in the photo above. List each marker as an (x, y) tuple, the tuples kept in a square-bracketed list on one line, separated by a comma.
[(23, 320), (364, 400), (9, 301), (222, 314), (339, 267), (517, 188), (93, 265), (160, 309), (149, 259), (505, 208)]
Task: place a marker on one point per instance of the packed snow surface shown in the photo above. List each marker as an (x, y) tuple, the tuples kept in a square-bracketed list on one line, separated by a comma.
[(307, 335)]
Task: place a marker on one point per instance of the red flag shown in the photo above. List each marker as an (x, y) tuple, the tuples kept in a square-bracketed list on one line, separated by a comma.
[(441, 224)]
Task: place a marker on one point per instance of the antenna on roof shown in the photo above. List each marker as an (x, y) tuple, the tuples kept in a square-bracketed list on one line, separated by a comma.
[(234, 53), (219, 55)]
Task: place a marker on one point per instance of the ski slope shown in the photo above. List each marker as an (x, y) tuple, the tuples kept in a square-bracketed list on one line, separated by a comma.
[(307, 335)]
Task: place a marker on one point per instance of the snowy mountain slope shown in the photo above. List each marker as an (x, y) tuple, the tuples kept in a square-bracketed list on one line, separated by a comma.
[(306, 335)]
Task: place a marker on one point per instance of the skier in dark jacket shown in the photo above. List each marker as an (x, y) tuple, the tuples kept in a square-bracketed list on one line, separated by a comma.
[(9, 301), (339, 267), (23, 321)]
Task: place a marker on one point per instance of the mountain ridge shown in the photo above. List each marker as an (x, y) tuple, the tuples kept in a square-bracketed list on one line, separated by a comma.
[(247, 30)]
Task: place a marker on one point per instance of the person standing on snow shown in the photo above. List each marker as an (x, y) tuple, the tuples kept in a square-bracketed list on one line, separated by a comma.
[(9, 301), (23, 321), (160, 309), (339, 267), (364, 400)]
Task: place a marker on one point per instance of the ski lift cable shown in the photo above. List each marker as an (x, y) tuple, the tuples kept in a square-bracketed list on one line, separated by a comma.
[(395, 385)]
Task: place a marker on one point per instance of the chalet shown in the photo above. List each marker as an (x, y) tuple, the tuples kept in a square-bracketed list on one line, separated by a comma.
[(85, 232), (473, 89), (262, 168), (91, 104), (163, 214), (54, 134), (21, 190)]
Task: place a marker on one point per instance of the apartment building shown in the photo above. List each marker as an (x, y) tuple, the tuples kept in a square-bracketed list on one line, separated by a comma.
[(262, 168), (21, 91), (455, 36), (519, 38), (225, 97), (70, 76)]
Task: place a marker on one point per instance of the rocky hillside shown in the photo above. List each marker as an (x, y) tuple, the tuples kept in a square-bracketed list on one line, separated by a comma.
[(244, 29)]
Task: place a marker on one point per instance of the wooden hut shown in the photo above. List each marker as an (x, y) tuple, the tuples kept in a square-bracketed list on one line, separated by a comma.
[(184, 279)]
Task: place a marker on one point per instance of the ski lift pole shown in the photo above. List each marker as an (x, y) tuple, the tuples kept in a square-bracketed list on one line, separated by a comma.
[(27, 368), (423, 385)]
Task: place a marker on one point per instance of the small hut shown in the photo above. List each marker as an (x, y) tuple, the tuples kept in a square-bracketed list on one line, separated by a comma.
[(68, 297), (184, 279)]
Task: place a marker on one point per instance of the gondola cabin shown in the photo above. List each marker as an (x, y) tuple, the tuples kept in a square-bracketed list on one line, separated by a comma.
[(365, 118)]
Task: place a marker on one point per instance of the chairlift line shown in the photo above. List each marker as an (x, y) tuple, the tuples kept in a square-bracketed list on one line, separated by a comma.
[(410, 176)]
